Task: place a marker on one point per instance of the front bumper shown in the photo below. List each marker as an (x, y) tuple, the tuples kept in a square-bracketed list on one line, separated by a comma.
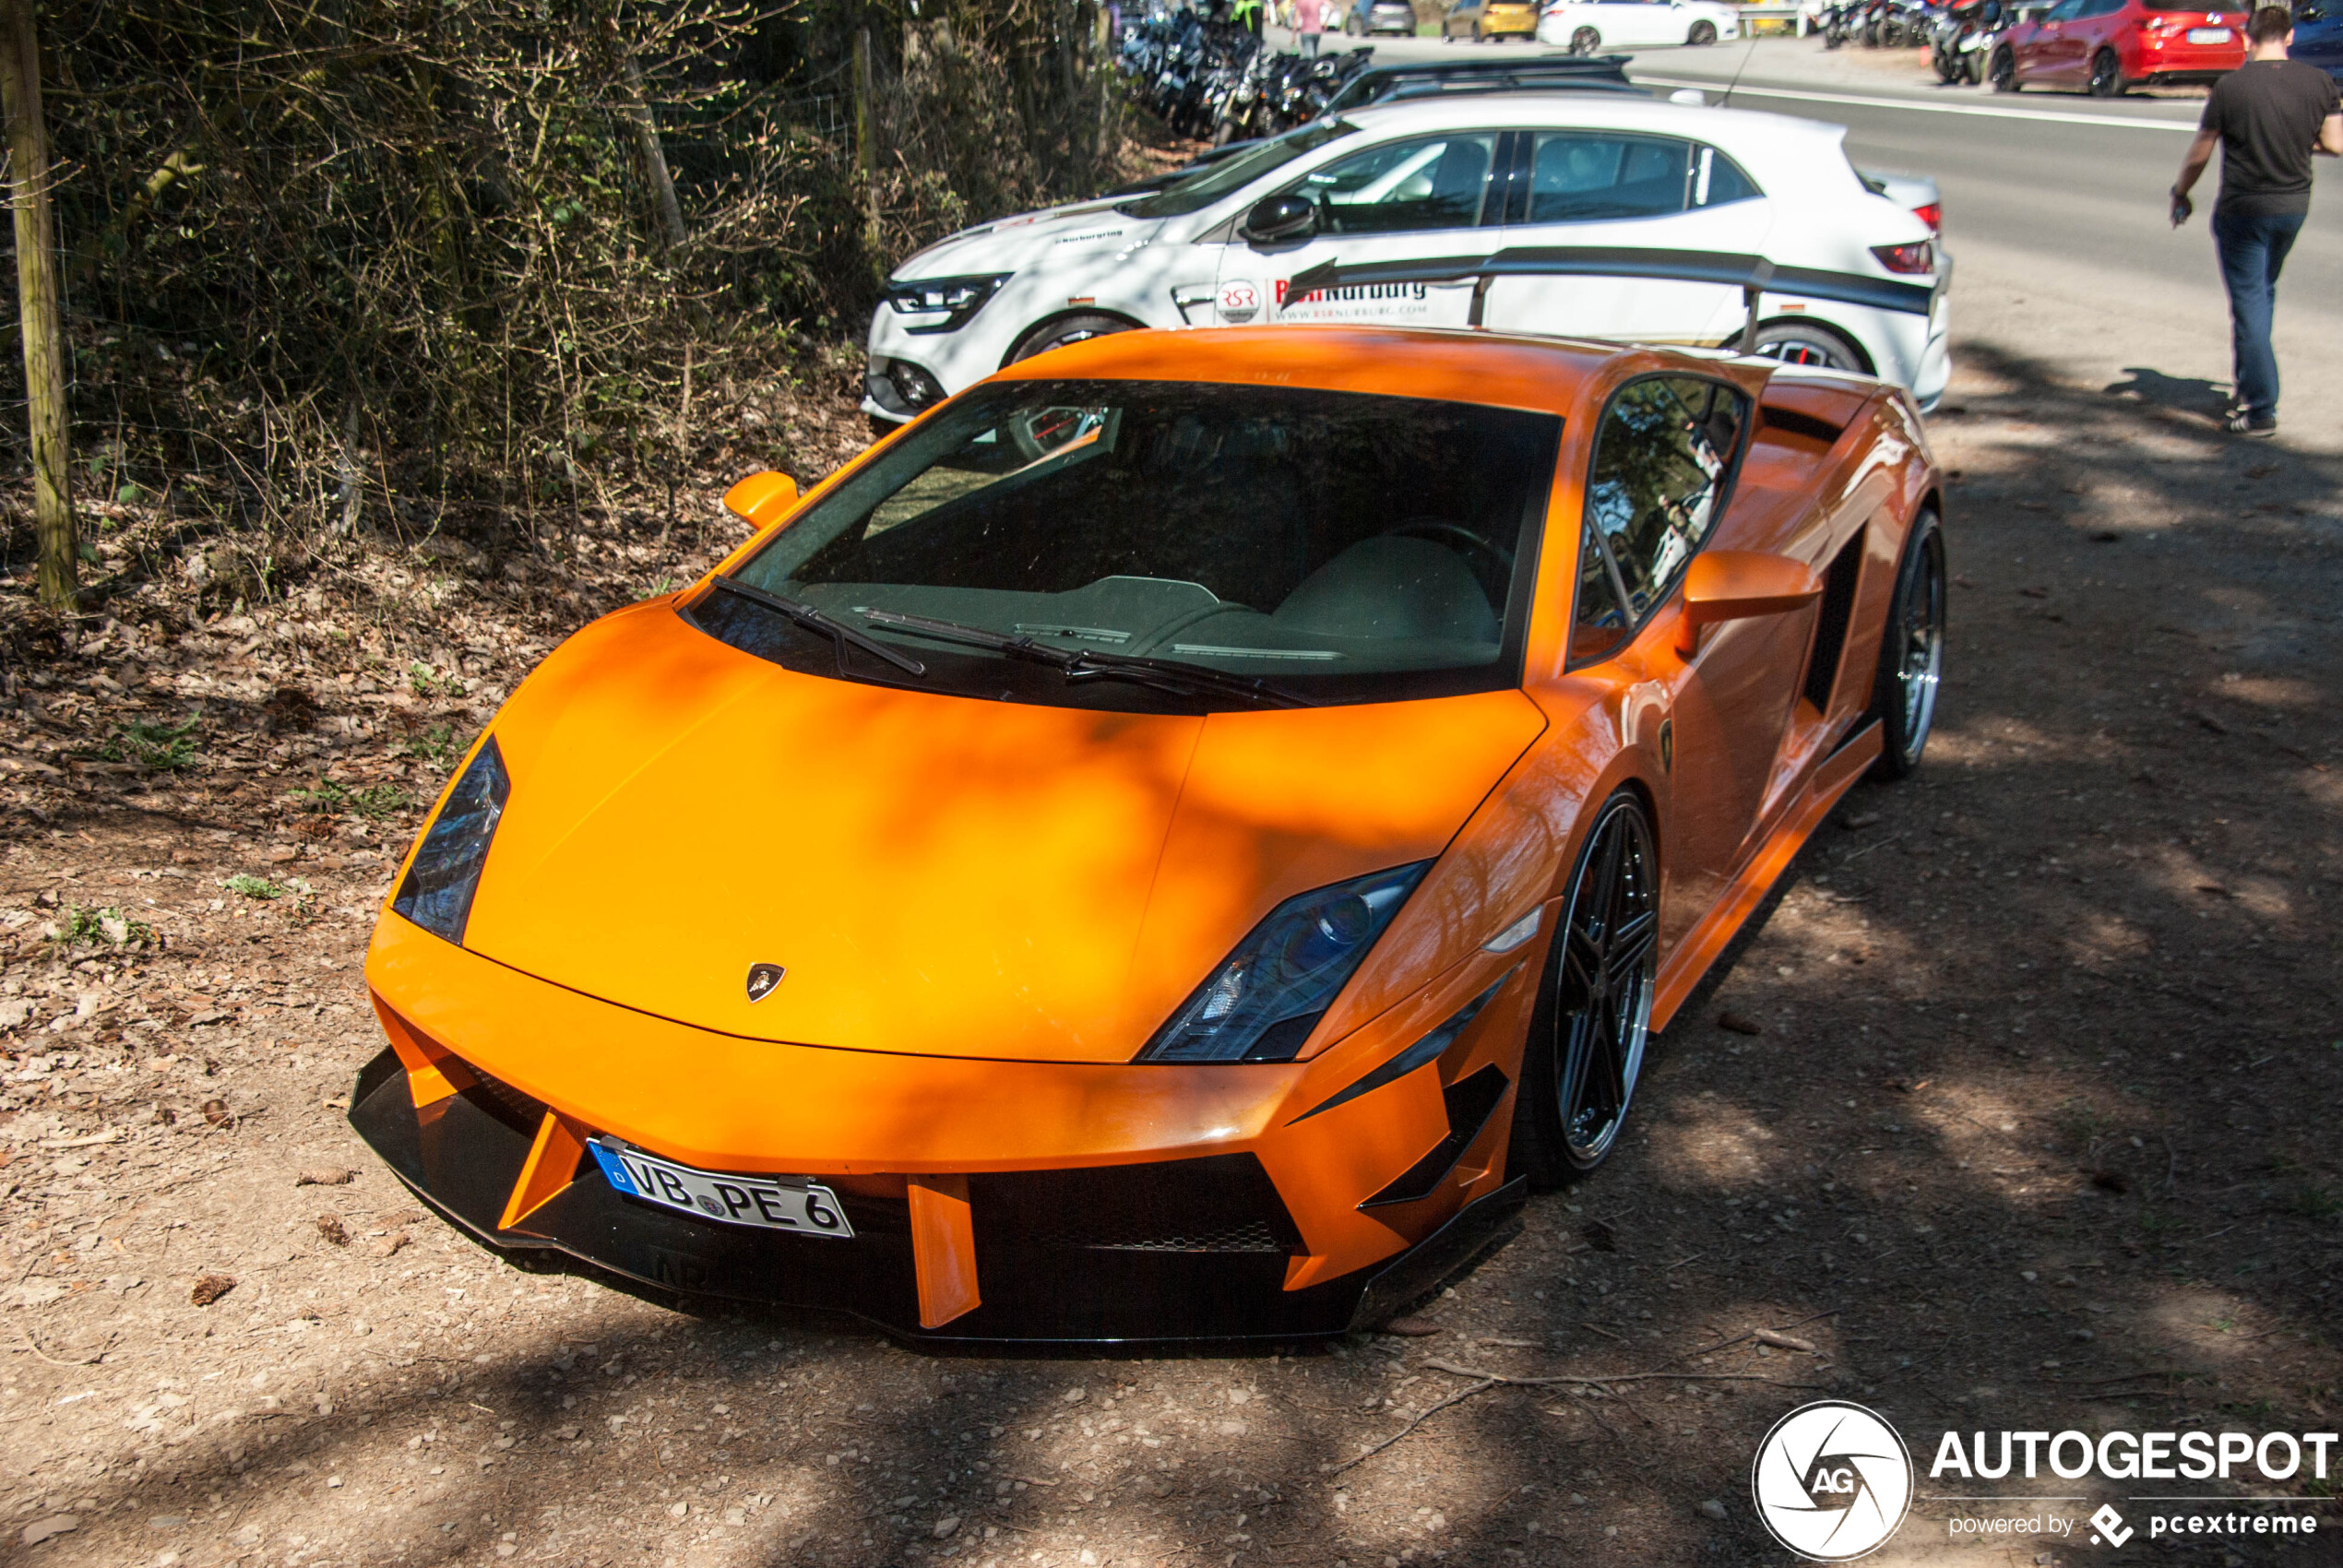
[(1094, 1202), (464, 1156)]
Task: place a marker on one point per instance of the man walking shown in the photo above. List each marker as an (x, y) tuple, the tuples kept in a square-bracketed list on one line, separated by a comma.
[(2267, 116), (1309, 22)]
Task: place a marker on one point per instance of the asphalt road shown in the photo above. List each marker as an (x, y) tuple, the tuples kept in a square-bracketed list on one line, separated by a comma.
[(2055, 214)]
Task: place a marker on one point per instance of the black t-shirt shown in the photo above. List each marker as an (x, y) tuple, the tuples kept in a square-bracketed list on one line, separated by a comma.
[(2268, 114)]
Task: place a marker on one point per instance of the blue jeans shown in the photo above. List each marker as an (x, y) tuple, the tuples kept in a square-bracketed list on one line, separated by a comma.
[(2252, 251)]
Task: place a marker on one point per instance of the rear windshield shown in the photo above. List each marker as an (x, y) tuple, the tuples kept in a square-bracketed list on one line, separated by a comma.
[(1211, 182), (1340, 547)]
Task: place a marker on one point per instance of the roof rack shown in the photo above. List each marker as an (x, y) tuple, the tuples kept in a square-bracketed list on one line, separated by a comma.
[(1566, 73)]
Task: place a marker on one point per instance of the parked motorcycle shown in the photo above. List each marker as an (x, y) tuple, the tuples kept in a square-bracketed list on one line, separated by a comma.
[(1963, 39)]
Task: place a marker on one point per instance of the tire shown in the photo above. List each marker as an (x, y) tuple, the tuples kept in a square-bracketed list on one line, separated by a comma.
[(2107, 74), (1810, 343), (1587, 1034), (1891, 34), (1971, 71), (2002, 71), (1224, 132), (1584, 40), (1063, 330), (1702, 34), (1911, 652)]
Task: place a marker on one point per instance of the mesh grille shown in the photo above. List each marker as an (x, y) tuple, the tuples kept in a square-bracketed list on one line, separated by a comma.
[(507, 1104), (1226, 1203)]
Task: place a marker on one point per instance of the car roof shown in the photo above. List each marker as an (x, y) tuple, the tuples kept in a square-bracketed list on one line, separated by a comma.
[(1453, 364), (1620, 111)]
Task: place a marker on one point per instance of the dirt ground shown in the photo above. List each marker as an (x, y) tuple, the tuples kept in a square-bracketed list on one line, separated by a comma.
[(2026, 1119)]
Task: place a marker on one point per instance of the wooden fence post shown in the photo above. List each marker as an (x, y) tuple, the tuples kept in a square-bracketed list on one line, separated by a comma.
[(45, 362), (866, 156)]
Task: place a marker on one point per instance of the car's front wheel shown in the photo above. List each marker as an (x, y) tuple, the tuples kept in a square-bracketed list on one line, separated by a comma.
[(1702, 34), (1586, 40), (1063, 330), (2002, 71), (1585, 1046), (2107, 74), (1911, 652)]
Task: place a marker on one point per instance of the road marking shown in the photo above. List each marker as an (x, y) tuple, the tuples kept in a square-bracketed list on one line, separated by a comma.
[(1981, 110)]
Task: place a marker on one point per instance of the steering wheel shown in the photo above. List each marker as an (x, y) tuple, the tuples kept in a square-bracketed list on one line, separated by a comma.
[(1492, 563)]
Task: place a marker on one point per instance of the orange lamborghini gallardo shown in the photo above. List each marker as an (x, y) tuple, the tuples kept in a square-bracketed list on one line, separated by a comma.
[(1172, 844)]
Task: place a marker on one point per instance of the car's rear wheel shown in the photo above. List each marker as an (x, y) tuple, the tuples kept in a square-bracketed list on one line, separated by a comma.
[(2107, 74), (1911, 652), (1585, 1046), (1702, 34), (1063, 330), (1586, 40), (2003, 73), (1808, 343)]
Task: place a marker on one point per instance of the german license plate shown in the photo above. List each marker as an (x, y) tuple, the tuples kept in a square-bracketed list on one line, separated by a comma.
[(764, 1202), (2209, 35)]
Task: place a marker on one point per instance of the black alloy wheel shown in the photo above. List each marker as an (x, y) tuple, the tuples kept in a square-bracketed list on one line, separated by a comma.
[(1911, 652), (1809, 343), (2003, 73), (1702, 34), (2107, 74), (1063, 330), (1586, 1045), (1586, 40)]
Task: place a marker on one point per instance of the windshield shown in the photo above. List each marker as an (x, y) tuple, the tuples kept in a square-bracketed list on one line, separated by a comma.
[(1214, 181), (1337, 546)]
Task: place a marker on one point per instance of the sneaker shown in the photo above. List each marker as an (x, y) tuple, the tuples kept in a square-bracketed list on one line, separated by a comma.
[(2240, 422)]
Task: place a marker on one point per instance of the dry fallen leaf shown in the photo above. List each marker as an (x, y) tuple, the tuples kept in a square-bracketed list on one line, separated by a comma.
[(330, 1227), (390, 1245), (1740, 1024), (1411, 1327), (209, 1288), (326, 1176), (215, 1112)]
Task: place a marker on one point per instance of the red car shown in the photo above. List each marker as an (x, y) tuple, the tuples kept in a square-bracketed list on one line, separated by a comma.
[(2106, 47)]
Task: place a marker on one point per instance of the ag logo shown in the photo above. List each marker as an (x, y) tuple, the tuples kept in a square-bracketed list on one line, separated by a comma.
[(1832, 1481), (1239, 301)]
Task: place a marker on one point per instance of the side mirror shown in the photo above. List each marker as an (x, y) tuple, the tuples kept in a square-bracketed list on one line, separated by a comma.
[(1278, 219), (1737, 585), (761, 500)]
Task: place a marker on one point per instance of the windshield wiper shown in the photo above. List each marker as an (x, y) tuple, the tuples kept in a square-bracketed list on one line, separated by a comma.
[(1083, 664), (813, 620)]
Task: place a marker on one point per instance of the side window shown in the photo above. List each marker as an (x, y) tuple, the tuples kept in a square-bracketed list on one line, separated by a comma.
[(2064, 11), (1588, 176), (1433, 182), (1661, 456), (1717, 180)]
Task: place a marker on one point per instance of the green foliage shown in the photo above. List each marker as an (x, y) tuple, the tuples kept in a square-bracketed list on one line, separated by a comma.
[(338, 259), (158, 748), (247, 885), (108, 926), (424, 683), (326, 799), (376, 802), (435, 745)]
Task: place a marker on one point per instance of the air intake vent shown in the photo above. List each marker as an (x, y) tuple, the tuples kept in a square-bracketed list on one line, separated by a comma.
[(1225, 1204), (1831, 630)]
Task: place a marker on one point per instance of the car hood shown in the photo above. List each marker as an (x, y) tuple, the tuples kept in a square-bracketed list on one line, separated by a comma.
[(937, 876), (1015, 244)]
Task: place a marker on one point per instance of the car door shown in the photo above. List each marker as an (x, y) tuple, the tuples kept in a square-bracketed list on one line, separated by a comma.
[(1590, 186), (2051, 56), (2093, 28), (1404, 200), (1663, 461), (2318, 35)]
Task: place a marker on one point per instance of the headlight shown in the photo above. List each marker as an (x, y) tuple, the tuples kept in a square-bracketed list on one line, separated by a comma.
[(1262, 1003), (956, 298), (437, 894)]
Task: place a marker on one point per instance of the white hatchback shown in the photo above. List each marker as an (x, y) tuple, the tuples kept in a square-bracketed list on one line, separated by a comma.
[(1588, 27), (1404, 186)]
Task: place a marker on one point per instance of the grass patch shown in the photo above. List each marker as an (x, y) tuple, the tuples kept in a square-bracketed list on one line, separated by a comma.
[(376, 802), (158, 748), (246, 885), (326, 797)]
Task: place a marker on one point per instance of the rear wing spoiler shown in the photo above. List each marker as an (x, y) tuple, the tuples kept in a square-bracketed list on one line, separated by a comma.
[(1752, 275)]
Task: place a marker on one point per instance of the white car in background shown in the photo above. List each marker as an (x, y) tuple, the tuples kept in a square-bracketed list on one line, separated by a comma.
[(1589, 27), (1416, 183)]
